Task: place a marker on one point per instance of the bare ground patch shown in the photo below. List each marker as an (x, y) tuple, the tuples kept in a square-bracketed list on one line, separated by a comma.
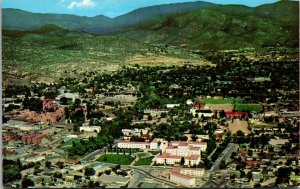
[(238, 125), (220, 107), (151, 60)]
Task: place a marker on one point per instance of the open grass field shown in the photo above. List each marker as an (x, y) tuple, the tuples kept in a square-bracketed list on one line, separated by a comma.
[(220, 101), (238, 125), (144, 161), (116, 159), (248, 107)]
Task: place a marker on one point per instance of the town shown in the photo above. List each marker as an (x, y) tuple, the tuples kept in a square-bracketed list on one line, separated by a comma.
[(233, 124)]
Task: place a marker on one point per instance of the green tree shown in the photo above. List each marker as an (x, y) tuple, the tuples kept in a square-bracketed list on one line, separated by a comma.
[(89, 171), (182, 161), (27, 182)]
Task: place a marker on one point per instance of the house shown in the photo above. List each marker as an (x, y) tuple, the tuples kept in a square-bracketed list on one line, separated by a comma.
[(170, 106), (277, 142)]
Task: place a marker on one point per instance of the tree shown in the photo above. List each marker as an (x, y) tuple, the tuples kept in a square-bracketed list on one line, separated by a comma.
[(107, 172), (194, 138), (223, 164), (26, 183), (48, 164), (89, 171), (182, 161)]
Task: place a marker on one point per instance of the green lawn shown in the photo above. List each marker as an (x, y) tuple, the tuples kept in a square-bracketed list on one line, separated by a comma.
[(141, 154), (248, 107), (69, 143), (153, 152), (220, 101), (116, 159), (144, 161)]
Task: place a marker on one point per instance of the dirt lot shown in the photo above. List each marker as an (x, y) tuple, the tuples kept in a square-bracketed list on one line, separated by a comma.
[(238, 125), (152, 60), (219, 107)]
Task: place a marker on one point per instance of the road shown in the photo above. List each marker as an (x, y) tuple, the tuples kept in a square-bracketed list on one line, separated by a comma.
[(142, 173), (225, 155), (148, 175)]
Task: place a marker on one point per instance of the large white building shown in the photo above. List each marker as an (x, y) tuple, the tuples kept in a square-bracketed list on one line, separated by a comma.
[(190, 151), (169, 159), (155, 144), (134, 145), (201, 145)]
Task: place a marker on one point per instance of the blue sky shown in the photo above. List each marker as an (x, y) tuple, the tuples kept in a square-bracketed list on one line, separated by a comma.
[(110, 8)]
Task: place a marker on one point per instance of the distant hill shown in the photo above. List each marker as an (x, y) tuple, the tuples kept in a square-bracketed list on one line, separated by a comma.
[(224, 27), (16, 19)]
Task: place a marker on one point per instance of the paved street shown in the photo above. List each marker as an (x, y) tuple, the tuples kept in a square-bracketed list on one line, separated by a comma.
[(225, 155)]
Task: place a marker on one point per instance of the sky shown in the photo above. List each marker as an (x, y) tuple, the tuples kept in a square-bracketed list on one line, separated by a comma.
[(110, 8)]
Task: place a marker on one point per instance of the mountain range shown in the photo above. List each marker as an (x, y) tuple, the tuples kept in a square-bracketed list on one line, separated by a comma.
[(197, 25), (23, 20)]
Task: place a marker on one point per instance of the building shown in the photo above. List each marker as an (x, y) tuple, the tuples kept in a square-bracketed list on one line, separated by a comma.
[(35, 158), (158, 143), (134, 145), (278, 142), (33, 138), (155, 144), (50, 103), (168, 159), (195, 172), (230, 115), (182, 179), (201, 145), (96, 129), (172, 105), (72, 161), (201, 113), (135, 132)]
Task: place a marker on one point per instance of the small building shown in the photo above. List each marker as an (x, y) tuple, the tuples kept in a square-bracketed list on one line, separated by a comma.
[(96, 129), (72, 161), (230, 114)]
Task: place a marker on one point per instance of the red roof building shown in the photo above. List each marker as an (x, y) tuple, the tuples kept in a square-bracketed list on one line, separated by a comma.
[(236, 114)]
